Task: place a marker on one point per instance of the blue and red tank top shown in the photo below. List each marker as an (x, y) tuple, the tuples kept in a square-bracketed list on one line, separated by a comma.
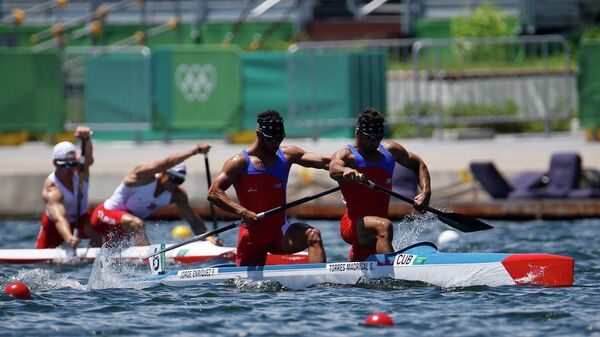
[(362, 200), (260, 190)]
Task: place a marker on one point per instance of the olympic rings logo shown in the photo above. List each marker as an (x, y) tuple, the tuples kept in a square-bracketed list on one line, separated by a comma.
[(196, 82)]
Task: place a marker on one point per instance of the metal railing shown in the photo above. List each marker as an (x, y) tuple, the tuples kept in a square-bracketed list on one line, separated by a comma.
[(133, 114), (491, 80), (440, 83)]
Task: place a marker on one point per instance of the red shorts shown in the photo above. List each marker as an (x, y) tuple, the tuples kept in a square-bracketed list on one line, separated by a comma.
[(358, 252), (107, 223), (49, 236), (253, 246)]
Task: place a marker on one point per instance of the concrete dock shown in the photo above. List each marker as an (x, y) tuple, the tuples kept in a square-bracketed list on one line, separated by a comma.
[(23, 169)]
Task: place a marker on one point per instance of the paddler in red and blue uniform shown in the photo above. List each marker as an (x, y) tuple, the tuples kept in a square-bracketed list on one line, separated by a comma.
[(364, 224), (259, 176)]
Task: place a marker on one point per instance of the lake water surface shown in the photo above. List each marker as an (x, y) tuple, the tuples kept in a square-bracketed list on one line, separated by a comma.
[(62, 305)]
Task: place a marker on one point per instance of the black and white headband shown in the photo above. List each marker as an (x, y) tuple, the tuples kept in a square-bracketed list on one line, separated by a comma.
[(370, 127), (270, 128)]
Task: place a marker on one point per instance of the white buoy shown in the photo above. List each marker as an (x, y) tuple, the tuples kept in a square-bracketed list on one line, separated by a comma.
[(446, 237)]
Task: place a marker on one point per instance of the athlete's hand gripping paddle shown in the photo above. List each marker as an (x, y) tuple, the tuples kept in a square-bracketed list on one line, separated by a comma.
[(461, 222), (238, 223)]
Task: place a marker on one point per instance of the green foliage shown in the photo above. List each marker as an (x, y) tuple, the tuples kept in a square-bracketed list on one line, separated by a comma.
[(428, 111), (591, 34), (486, 21)]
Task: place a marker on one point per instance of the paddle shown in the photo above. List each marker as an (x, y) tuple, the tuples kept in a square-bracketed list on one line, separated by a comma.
[(238, 223), (80, 189), (72, 253), (461, 222), (208, 182)]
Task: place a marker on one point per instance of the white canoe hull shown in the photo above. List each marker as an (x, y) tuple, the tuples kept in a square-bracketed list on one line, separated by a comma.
[(197, 252), (421, 262)]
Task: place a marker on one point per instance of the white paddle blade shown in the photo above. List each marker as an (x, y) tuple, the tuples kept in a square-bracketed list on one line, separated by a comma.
[(157, 262)]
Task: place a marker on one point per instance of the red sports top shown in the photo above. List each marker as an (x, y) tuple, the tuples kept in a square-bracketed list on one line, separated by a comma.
[(362, 200), (260, 190)]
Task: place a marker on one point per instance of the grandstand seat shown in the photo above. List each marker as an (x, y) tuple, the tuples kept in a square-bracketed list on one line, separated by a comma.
[(563, 176), (561, 181), (585, 193), (520, 187)]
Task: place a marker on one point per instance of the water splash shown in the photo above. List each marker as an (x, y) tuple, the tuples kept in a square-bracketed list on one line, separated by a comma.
[(43, 279), (111, 271), (535, 275), (411, 228), (246, 285)]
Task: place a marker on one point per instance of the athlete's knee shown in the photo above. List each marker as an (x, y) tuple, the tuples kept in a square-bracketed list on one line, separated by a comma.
[(136, 224), (313, 236), (384, 227)]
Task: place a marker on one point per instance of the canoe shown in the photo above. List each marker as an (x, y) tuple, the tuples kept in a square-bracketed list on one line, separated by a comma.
[(420, 262), (197, 252)]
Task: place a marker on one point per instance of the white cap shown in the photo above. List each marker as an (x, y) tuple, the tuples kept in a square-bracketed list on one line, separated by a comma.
[(178, 170), (64, 151)]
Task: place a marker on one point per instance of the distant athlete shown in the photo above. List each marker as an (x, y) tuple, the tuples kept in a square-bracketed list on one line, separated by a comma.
[(259, 176), (60, 193), (364, 225), (146, 189)]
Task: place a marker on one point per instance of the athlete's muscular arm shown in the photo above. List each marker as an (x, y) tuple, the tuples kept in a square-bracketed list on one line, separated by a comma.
[(230, 174), (306, 159), (54, 203), (417, 165), (341, 167), (144, 173), (84, 133), (180, 199)]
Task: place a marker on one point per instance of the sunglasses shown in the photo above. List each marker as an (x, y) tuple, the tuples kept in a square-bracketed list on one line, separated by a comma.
[(274, 139), (175, 179), (67, 163), (373, 138)]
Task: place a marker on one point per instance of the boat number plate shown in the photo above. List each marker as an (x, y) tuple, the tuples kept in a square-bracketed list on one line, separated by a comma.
[(404, 259)]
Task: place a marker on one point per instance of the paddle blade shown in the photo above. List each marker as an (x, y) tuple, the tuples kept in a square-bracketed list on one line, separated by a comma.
[(462, 222)]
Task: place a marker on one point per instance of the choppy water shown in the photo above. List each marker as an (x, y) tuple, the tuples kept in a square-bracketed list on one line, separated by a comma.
[(62, 306)]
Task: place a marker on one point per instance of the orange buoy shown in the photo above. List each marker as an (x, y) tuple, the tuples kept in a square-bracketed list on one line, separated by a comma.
[(379, 318), (18, 290)]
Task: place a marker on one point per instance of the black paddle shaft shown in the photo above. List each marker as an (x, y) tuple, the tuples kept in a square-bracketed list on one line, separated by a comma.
[(80, 188), (209, 182), (300, 201), (238, 223), (459, 221)]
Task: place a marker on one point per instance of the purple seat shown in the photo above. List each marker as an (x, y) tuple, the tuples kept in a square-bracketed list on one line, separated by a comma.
[(491, 180), (525, 184), (585, 193), (498, 187), (563, 176), (404, 181)]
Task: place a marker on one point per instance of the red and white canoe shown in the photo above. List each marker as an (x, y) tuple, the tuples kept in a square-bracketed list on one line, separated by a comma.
[(197, 252)]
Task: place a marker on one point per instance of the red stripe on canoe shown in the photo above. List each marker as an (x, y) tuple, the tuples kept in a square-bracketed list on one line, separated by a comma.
[(230, 256), (540, 269)]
